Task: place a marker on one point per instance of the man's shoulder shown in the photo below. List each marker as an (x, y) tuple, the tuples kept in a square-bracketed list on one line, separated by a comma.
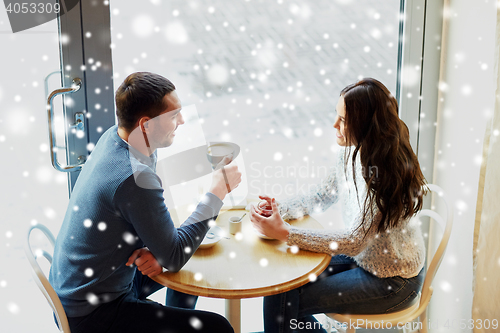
[(108, 160), (147, 179), (110, 147)]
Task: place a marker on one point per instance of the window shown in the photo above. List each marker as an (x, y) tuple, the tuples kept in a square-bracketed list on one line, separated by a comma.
[(263, 74)]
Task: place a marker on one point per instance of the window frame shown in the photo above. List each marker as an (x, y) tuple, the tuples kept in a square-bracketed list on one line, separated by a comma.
[(86, 37)]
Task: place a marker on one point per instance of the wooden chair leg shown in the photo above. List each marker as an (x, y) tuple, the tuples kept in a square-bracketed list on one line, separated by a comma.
[(423, 320)]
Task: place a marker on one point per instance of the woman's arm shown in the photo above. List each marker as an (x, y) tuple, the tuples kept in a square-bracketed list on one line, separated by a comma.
[(333, 242)]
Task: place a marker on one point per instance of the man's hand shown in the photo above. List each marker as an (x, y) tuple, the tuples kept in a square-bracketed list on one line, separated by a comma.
[(226, 178), (145, 261)]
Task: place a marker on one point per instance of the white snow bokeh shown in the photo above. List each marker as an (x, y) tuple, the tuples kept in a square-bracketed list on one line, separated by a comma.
[(478, 160), (461, 205), (218, 74), (89, 272), (302, 11), (267, 55), (376, 33), (445, 286), (87, 223), (263, 262), (92, 299), (410, 75), (334, 245), (196, 323), (18, 121), (466, 90), (13, 308), (102, 226), (50, 213), (129, 238), (44, 147), (143, 25), (64, 38), (288, 132), (176, 33)]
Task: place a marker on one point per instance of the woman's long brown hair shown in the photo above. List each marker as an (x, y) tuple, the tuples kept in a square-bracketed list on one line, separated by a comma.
[(391, 170)]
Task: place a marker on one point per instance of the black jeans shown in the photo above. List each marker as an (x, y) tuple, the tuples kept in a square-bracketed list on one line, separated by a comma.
[(133, 313)]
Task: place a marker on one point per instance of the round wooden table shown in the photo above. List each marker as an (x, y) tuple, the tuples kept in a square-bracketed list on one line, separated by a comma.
[(245, 266)]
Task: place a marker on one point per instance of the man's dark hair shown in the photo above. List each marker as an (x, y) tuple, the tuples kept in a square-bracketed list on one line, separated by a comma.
[(141, 94)]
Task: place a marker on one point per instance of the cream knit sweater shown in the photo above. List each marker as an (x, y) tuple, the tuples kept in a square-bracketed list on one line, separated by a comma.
[(397, 252)]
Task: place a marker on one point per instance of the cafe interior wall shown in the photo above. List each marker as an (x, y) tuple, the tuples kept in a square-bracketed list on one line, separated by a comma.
[(467, 100)]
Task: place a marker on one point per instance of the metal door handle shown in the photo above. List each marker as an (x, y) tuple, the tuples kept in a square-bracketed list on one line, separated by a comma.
[(77, 83)]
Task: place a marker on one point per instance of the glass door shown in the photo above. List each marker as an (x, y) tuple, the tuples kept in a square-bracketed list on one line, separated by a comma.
[(86, 69)]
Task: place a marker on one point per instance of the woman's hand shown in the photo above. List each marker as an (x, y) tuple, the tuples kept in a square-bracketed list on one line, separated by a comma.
[(272, 226), (264, 207), (145, 261)]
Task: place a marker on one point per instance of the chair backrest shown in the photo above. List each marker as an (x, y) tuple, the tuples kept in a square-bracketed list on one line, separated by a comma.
[(41, 279), (438, 255)]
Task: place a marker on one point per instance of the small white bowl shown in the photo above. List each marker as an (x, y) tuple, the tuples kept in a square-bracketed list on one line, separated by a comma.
[(213, 236)]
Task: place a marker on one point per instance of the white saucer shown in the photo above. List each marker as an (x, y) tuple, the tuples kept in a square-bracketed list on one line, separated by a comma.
[(213, 236)]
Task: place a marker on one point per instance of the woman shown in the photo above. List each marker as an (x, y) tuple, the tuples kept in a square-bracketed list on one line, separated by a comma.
[(377, 261)]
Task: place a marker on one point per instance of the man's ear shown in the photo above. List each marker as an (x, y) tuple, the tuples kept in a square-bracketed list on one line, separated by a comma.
[(143, 124)]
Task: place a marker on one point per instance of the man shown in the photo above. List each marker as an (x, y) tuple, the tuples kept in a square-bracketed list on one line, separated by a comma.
[(117, 207)]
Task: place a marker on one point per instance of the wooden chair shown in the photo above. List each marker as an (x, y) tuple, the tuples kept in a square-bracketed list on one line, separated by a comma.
[(418, 308), (42, 281)]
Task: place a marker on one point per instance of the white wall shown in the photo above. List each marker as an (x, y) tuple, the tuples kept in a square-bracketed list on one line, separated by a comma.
[(467, 105)]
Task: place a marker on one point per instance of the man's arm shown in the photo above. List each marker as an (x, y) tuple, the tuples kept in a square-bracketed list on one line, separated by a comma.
[(144, 208)]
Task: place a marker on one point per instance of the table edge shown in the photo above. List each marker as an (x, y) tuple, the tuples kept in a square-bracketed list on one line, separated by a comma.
[(244, 293)]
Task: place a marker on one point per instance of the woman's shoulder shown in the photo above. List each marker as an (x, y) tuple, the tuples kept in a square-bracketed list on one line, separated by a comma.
[(340, 155), (344, 157)]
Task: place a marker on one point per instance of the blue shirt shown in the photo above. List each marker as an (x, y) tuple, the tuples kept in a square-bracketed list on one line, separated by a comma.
[(116, 207)]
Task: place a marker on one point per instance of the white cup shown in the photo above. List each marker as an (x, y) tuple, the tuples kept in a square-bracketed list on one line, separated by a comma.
[(234, 225), (217, 152)]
